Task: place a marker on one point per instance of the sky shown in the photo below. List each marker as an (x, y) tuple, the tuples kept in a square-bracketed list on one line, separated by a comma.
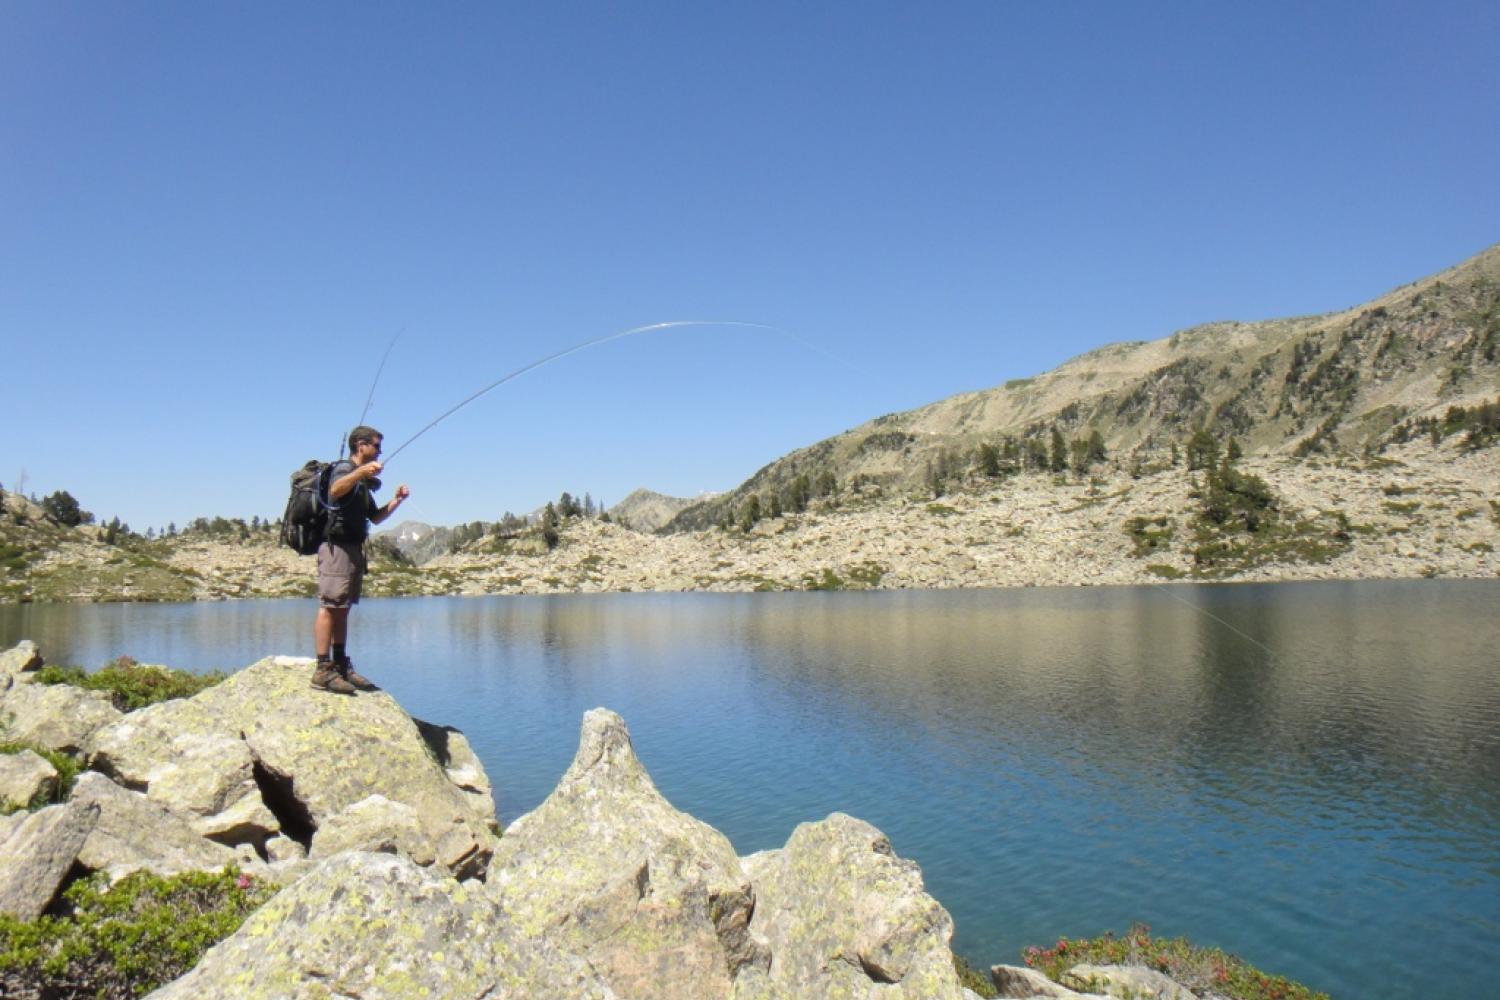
[(216, 218)]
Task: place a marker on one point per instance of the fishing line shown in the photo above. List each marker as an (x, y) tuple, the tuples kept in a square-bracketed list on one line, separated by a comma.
[(1209, 614), (580, 346)]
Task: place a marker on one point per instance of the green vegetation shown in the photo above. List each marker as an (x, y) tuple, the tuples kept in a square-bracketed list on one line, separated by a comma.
[(132, 685), (67, 770), (1240, 524), (972, 979), (1150, 534), (1164, 571), (124, 940), (941, 510), (1200, 969)]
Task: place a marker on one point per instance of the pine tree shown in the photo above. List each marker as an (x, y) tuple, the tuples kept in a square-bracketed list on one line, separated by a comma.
[(1059, 458)]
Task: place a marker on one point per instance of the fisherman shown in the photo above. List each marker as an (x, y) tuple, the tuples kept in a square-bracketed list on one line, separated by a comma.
[(341, 557)]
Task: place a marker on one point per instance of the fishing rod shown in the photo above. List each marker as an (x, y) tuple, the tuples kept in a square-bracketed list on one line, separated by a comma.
[(344, 442), (572, 350)]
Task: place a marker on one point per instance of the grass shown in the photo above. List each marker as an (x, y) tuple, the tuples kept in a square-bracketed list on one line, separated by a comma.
[(1199, 969), (1164, 571), (127, 939), (131, 685)]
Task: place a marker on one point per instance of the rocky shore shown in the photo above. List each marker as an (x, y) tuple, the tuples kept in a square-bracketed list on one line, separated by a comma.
[(396, 881)]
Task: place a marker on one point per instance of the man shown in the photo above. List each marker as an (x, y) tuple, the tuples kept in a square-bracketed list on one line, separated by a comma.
[(341, 557)]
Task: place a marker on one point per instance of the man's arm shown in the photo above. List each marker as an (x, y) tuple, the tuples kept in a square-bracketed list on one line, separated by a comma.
[(390, 507), (340, 487)]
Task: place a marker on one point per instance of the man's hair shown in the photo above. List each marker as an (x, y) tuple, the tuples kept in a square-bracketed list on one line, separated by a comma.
[(363, 433)]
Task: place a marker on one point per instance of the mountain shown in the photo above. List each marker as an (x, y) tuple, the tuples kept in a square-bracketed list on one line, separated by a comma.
[(645, 510), (1344, 381), (417, 541)]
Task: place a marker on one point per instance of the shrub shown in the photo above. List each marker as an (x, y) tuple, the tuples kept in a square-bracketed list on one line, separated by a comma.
[(972, 979), (1200, 969), (131, 685), (127, 939)]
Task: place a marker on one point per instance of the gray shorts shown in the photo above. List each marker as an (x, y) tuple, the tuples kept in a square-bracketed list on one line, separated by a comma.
[(341, 571)]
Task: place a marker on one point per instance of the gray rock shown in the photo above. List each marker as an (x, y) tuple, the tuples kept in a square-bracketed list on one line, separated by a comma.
[(55, 716), (844, 916), (39, 853), (284, 849), (22, 658), (1127, 982), (374, 824), (312, 755), (654, 899), (378, 926), (247, 823), (135, 833), (1015, 981), (24, 776), (185, 769)]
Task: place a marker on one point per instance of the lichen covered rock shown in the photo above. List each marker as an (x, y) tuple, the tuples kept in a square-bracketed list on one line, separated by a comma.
[(376, 925), (56, 716), (37, 853), (654, 899), (845, 918), (308, 755)]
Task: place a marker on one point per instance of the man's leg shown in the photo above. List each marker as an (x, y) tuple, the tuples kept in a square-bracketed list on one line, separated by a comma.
[(331, 627)]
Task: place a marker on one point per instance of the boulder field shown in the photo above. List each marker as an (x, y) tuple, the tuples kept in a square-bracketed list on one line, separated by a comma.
[(396, 882)]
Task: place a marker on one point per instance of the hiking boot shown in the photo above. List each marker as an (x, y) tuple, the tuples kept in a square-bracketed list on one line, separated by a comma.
[(328, 678), (346, 670)]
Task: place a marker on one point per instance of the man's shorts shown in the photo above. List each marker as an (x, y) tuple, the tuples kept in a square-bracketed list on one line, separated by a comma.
[(341, 571)]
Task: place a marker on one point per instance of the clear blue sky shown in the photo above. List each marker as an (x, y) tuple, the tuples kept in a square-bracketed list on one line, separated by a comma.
[(214, 217)]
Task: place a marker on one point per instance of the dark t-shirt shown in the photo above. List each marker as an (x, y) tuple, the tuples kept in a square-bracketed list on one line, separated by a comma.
[(349, 516)]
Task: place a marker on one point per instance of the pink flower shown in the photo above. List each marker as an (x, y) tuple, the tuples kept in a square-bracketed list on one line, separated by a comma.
[(243, 882)]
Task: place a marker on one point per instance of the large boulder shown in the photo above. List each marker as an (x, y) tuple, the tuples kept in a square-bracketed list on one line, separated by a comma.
[(56, 716), (24, 776), (309, 756), (134, 833), (654, 899), (37, 855), (376, 925), (845, 918)]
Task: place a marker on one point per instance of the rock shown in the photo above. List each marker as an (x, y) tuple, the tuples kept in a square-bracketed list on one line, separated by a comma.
[(280, 849), (39, 853), (186, 769), (1128, 982), (24, 776), (56, 716), (1015, 981), (135, 833), (375, 925), (374, 824), (247, 823), (311, 755), (22, 658), (652, 898), (461, 765), (842, 914)]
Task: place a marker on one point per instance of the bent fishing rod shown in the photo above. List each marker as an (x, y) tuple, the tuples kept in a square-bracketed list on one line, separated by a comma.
[(649, 328)]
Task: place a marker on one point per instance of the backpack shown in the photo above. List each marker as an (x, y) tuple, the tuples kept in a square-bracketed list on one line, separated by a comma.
[(304, 526)]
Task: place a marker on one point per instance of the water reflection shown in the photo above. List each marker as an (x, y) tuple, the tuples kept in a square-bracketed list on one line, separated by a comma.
[(1306, 774)]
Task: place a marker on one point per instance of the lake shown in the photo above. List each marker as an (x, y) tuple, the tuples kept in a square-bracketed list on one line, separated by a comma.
[(1307, 775)]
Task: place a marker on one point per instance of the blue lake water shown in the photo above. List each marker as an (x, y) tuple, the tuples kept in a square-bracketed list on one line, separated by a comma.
[(1307, 775)]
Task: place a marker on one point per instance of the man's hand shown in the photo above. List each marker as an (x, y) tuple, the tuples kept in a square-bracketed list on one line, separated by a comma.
[(370, 469), (402, 492)]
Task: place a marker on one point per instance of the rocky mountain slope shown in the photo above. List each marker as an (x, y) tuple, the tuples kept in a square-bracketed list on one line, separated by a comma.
[(1340, 382)]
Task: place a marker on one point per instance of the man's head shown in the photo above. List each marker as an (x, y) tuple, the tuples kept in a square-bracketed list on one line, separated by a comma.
[(363, 435)]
